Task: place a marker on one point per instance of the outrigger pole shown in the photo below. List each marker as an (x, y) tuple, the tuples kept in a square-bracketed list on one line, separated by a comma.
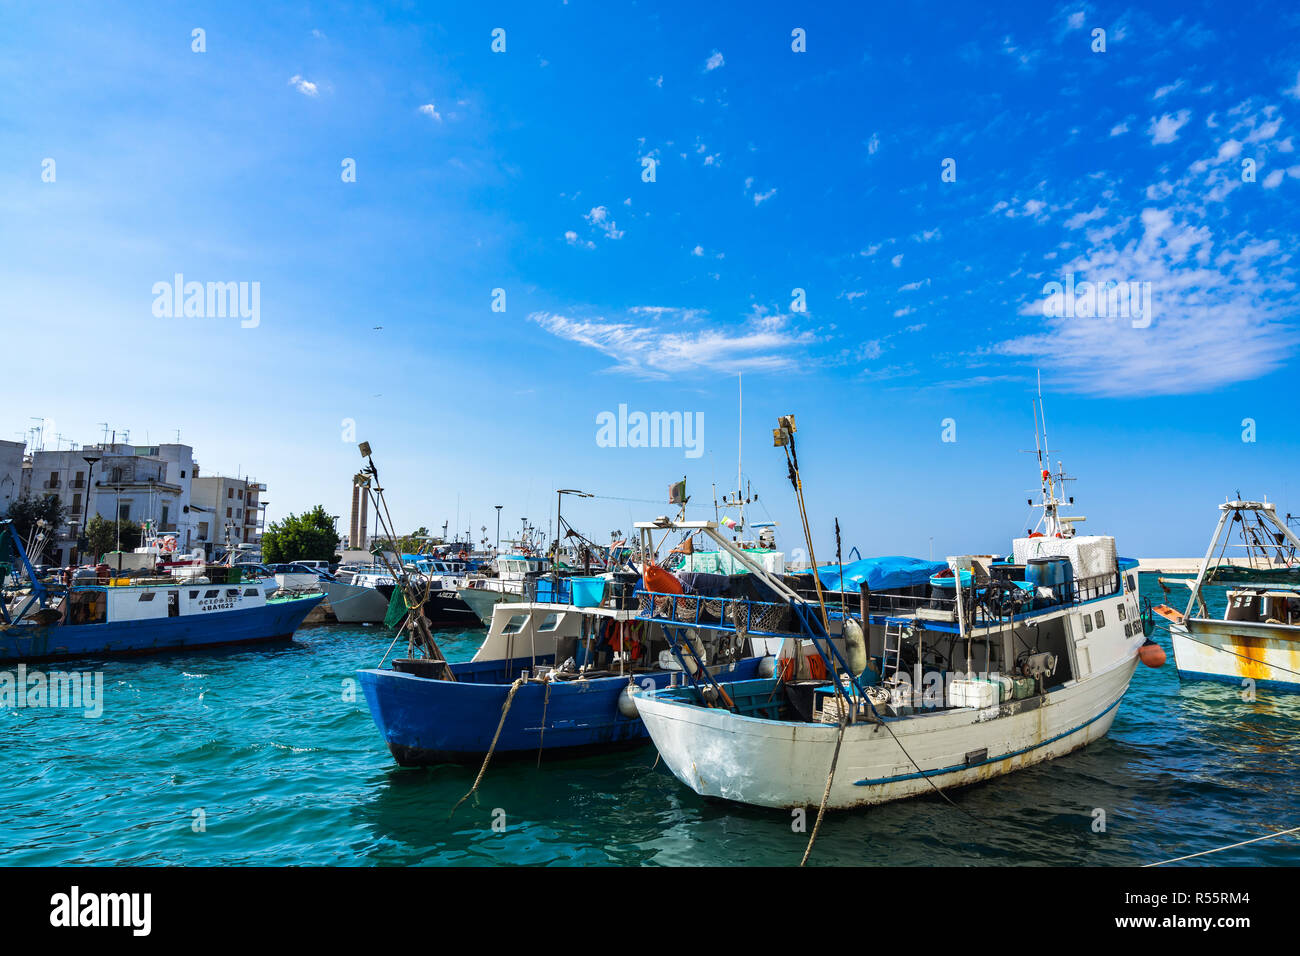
[(368, 478)]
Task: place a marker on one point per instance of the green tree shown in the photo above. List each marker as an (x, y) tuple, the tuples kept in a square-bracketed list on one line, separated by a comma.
[(102, 535), (306, 537), (26, 511)]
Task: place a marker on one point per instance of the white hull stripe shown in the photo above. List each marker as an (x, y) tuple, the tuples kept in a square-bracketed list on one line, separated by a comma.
[(980, 763)]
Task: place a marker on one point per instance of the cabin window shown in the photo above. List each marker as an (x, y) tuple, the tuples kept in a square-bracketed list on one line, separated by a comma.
[(1101, 620), (1121, 612), (232, 592), (515, 624), (1131, 586), (1128, 630), (147, 596), (193, 595), (210, 594), (1087, 623), (250, 592), (549, 623)]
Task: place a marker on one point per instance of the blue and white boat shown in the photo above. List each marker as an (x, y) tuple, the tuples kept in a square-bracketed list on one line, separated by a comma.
[(559, 673), (101, 619)]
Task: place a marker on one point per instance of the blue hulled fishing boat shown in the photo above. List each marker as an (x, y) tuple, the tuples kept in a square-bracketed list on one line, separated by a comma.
[(106, 617), (548, 677)]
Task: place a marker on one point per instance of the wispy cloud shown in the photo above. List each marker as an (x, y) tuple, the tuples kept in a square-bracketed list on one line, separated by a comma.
[(428, 109), (714, 62), (670, 346), (303, 86), (1165, 128)]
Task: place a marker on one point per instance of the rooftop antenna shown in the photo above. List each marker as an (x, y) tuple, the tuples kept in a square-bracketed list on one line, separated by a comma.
[(104, 438)]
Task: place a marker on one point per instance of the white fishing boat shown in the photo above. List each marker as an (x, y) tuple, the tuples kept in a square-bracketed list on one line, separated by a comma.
[(1256, 641), (354, 596), (990, 666)]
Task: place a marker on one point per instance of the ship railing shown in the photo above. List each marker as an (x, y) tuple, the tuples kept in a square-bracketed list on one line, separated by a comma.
[(754, 618)]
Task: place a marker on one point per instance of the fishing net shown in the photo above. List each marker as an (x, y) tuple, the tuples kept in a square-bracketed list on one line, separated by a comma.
[(397, 609)]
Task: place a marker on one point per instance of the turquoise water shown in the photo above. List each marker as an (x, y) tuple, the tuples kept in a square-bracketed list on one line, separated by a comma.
[(287, 771)]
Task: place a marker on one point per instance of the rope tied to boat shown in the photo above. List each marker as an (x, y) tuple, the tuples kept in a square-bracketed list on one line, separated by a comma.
[(505, 709), (821, 811)]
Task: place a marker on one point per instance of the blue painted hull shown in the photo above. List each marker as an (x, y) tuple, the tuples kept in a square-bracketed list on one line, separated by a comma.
[(1289, 687), (426, 721), (274, 621)]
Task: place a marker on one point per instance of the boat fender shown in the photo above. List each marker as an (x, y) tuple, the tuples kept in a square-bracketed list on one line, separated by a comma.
[(1152, 654), (855, 647), (627, 703), (693, 639), (767, 666)]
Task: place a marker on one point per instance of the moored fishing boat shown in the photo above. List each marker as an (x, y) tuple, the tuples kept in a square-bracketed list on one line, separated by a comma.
[(103, 619), (881, 695), (1257, 639), (548, 678)]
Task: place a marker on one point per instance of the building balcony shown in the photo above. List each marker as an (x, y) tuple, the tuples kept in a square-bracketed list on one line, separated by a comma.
[(52, 484), (77, 483)]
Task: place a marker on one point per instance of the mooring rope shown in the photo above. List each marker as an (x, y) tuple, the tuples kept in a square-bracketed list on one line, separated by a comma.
[(546, 702), (835, 759), (1232, 846), (519, 682)]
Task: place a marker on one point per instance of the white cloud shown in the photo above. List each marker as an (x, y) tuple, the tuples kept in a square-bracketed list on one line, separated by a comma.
[(1164, 91), (873, 144), (572, 239), (913, 286), (1119, 129), (697, 251), (303, 86), (1274, 179), (428, 109), (897, 260), (1165, 129), (1081, 219), (1219, 314), (1294, 91), (714, 61), (598, 218), (760, 198), (672, 345)]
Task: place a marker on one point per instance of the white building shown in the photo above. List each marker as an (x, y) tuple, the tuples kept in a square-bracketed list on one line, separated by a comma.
[(11, 473), (137, 483), (226, 512)]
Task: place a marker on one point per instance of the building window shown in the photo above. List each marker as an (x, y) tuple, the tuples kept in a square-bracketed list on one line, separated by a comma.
[(241, 494), (230, 492), (203, 529), (124, 512), (228, 514)]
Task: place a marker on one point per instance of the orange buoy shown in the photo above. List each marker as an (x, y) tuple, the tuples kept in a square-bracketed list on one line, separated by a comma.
[(659, 581), (1152, 654)]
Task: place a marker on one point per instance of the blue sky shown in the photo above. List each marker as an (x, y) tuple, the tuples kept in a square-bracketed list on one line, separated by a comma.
[(775, 171)]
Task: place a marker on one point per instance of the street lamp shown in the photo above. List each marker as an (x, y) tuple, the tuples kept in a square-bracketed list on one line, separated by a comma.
[(498, 507), (85, 510)]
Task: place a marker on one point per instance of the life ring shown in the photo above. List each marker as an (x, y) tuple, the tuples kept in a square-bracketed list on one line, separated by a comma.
[(463, 556), (168, 544)]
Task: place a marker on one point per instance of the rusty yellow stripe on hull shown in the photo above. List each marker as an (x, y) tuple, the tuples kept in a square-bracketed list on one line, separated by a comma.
[(1268, 654)]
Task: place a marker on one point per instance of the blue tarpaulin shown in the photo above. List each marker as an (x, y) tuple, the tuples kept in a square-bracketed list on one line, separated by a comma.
[(880, 574)]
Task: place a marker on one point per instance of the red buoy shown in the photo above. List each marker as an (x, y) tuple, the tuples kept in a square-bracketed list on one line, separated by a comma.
[(1152, 654)]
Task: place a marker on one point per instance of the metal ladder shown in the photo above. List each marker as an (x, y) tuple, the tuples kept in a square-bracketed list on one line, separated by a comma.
[(893, 645)]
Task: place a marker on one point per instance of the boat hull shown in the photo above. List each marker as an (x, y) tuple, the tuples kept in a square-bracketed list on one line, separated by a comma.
[(1236, 651), (425, 721), (356, 605), (773, 763), (272, 621)]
